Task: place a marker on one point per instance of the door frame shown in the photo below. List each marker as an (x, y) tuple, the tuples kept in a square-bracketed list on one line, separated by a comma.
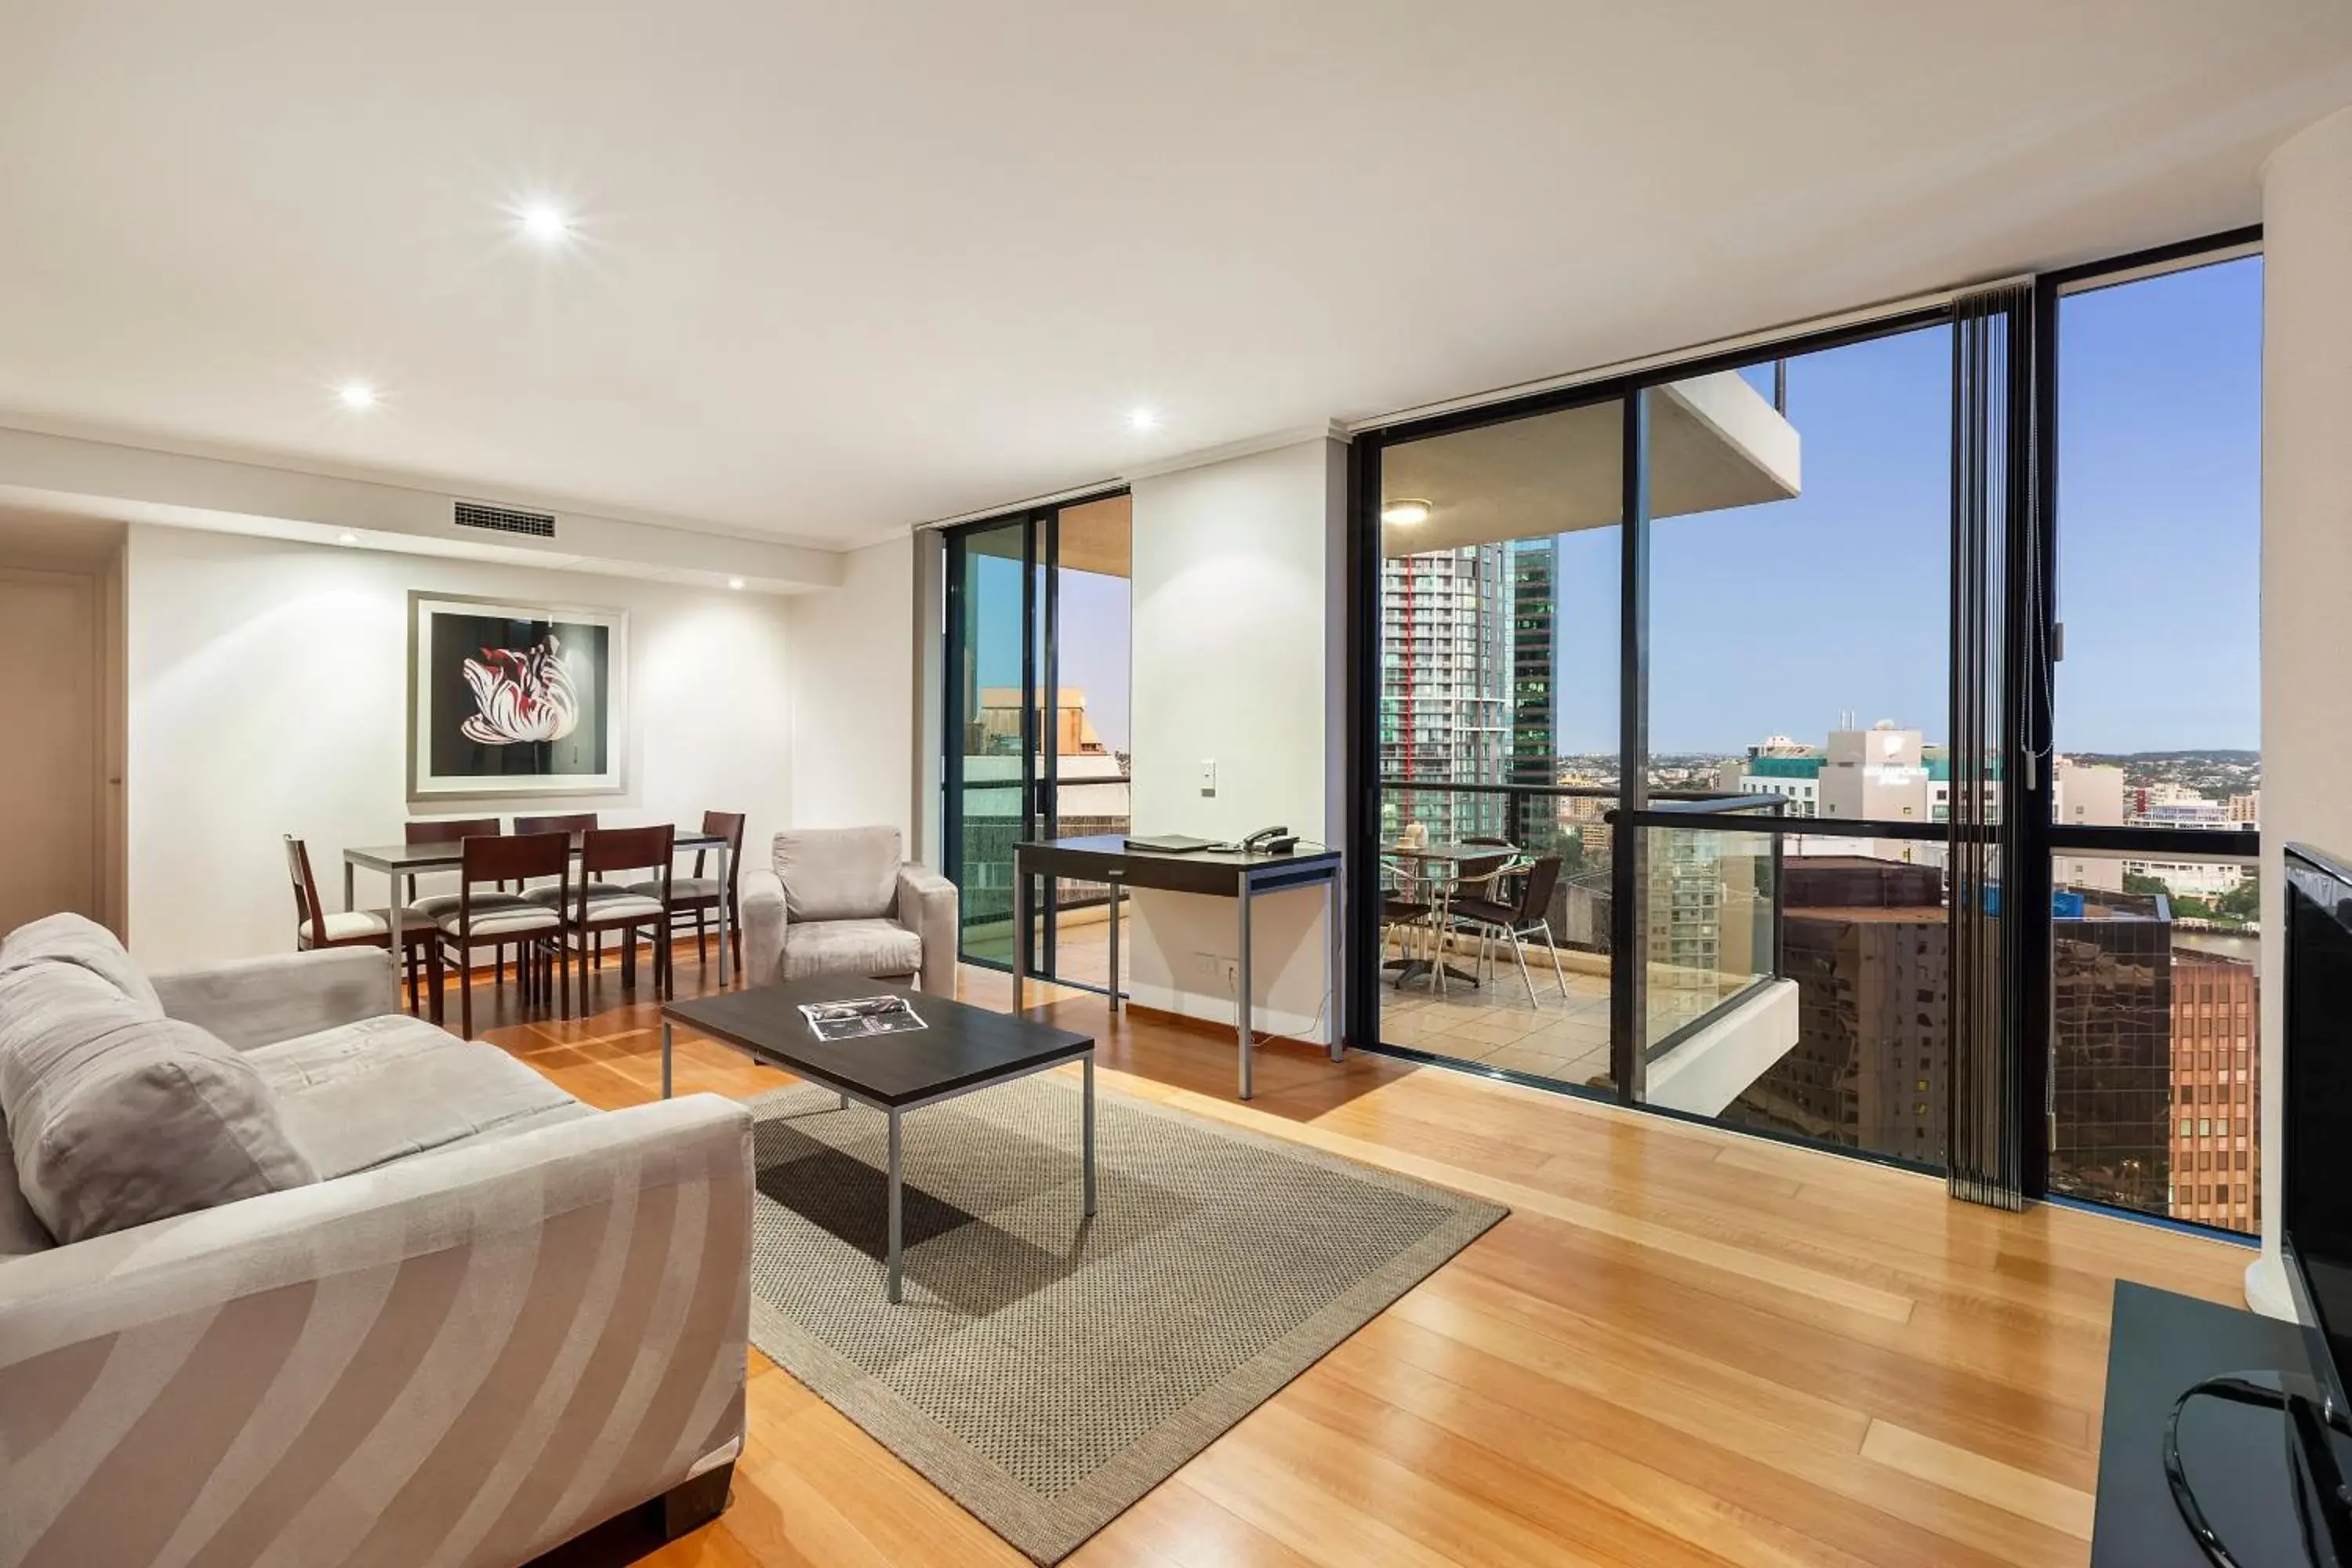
[(1041, 614)]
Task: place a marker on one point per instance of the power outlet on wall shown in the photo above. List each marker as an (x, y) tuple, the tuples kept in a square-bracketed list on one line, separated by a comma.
[(1217, 967)]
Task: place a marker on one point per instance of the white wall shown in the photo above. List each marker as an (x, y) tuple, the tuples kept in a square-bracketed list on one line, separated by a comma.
[(1235, 564), (854, 719), (2306, 572), (268, 692)]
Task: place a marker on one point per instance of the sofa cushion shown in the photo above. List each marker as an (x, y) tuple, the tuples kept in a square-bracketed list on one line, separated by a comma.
[(21, 1230), (78, 939), (117, 1117), (871, 948), (839, 873), (368, 1093)]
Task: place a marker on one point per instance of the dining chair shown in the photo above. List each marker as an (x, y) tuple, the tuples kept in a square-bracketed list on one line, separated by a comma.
[(316, 927), (488, 916), (598, 906), (573, 822), (1527, 916), (696, 895), (1475, 873), (450, 830)]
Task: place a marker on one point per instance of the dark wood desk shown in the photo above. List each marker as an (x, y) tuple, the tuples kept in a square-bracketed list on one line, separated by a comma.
[(2235, 1457), (1218, 873), (401, 861), (963, 1049)]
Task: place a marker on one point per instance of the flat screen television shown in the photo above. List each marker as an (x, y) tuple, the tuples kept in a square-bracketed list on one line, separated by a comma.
[(2315, 1185)]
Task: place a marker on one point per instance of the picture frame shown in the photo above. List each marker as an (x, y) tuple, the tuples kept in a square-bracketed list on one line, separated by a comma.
[(512, 697)]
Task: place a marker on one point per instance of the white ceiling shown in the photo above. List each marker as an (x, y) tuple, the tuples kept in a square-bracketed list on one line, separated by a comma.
[(847, 267)]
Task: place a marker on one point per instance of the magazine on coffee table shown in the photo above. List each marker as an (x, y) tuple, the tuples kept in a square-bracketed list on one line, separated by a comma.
[(861, 1015)]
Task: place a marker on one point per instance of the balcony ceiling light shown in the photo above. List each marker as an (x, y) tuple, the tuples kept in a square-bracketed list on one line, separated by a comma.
[(1405, 513)]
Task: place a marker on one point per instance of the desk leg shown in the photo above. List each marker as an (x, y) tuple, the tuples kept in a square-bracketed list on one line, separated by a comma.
[(349, 893), (1114, 958), (1091, 1131), (1020, 929), (1338, 960), (1242, 983), (897, 1205), (666, 1050)]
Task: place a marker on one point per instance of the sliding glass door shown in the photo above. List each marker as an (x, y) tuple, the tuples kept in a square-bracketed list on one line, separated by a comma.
[(1729, 686), (1036, 733)]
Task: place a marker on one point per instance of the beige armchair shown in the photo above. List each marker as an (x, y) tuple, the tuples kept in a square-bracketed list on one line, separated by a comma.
[(845, 900)]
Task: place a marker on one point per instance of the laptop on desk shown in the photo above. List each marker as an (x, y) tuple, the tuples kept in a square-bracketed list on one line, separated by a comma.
[(1169, 844)]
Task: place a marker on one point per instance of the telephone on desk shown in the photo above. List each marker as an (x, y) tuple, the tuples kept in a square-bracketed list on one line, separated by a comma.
[(1270, 841)]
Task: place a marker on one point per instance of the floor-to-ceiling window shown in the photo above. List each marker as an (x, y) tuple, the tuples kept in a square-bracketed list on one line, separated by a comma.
[(1884, 700), (1498, 743), (2154, 1045), (1800, 654), (1035, 741)]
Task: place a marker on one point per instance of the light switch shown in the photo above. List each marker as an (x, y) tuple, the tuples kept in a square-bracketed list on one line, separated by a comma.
[(1208, 775)]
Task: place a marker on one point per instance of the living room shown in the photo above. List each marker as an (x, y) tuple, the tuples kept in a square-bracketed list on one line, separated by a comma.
[(789, 787)]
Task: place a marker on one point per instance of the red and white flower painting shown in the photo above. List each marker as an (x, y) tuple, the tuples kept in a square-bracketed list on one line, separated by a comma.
[(521, 695)]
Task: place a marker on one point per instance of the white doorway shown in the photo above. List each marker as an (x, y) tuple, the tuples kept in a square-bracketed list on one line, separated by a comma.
[(60, 720)]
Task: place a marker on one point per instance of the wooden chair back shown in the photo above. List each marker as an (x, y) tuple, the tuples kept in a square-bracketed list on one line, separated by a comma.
[(452, 830), (578, 822), (306, 889), (629, 850), (726, 825)]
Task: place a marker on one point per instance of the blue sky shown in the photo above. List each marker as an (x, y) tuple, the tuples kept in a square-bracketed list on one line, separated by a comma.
[(1778, 617)]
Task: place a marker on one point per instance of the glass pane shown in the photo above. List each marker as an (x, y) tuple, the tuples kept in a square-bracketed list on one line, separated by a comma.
[(2156, 1057), (1710, 927), (1799, 571), (1093, 780), (1498, 741), (1858, 1056), (2158, 703), (988, 650)]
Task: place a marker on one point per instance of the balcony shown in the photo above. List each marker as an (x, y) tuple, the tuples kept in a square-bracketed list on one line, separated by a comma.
[(1717, 1014)]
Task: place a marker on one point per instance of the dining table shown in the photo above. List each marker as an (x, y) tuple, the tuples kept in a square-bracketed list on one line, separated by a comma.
[(399, 862), (1438, 864)]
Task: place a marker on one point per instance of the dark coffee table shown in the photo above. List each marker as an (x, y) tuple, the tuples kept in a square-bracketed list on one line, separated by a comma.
[(965, 1049)]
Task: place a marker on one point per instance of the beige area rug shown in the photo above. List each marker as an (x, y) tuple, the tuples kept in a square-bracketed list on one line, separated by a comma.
[(1047, 1371)]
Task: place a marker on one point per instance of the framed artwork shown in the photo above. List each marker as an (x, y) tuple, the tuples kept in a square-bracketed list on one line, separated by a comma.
[(515, 698)]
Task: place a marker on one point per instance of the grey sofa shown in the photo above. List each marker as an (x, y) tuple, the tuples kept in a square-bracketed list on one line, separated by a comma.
[(461, 1318), (845, 900)]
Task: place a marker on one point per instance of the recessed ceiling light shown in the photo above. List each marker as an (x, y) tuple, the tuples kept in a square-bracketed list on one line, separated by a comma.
[(546, 224), (347, 539), (355, 394), (736, 583), (1405, 512), (1142, 419)]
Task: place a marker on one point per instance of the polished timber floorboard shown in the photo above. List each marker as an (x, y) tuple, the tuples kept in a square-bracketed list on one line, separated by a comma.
[(1682, 1347)]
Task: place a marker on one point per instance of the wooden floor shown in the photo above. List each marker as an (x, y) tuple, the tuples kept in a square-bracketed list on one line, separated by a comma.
[(1682, 1347)]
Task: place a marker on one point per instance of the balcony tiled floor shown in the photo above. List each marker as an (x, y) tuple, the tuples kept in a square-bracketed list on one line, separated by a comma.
[(1565, 1038)]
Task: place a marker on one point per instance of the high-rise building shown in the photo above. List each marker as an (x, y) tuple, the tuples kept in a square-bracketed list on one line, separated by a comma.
[(2212, 1152), (1447, 658), (2111, 1067), (1867, 940), (1534, 572)]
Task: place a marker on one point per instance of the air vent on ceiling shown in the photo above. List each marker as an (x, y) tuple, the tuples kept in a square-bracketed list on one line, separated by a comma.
[(505, 520)]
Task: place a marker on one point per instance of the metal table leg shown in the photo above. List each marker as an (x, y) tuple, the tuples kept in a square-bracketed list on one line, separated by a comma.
[(666, 1050), (725, 871), (896, 1190), (1091, 1131), (1242, 983), (348, 891), (1114, 955), (1338, 961)]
